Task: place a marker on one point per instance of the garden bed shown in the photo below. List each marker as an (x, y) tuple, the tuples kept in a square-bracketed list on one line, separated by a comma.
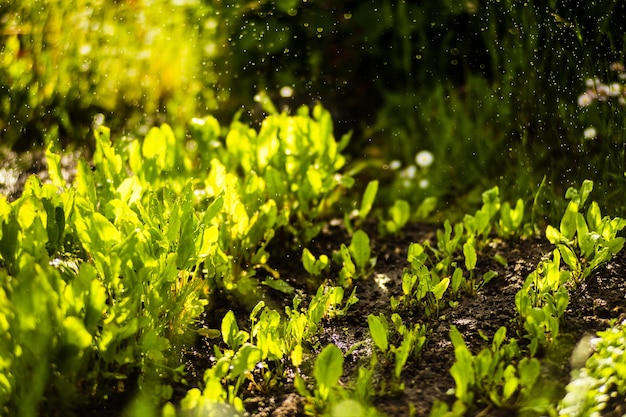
[(595, 306), (182, 284)]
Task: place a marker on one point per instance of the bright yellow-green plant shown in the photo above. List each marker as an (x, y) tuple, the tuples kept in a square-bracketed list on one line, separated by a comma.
[(103, 277), (585, 241), (583, 245), (129, 62), (397, 344), (497, 376)]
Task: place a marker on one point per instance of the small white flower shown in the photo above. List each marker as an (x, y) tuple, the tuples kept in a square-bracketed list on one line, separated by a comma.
[(409, 172), (590, 133), (395, 164), (424, 159), (615, 89), (591, 82), (603, 91), (286, 92), (423, 183), (585, 99)]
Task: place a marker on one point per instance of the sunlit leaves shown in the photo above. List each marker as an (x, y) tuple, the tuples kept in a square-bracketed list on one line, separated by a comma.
[(328, 369), (360, 251), (400, 213), (511, 218), (314, 266), (378, 332), (470, 255), (368, 199), (231, 334)]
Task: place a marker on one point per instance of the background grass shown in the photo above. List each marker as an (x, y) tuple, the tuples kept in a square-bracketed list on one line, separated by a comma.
[(489, 88)]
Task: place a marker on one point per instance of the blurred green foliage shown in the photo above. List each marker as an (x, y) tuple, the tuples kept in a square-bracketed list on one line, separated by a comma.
[(135, 62), (489, 88)]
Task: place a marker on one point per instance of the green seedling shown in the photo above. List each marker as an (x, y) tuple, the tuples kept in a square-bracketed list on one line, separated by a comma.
[(348, 268), (367, 202), (511, 219), (368, 199), (399, 214), (481, 223), (231, 334), (411, 342), (379, 329), (356, 260), (447, 243), (330, 397), (472, 286), (361, 253), (542, 301), (585, 242), (314, 266), (421, 285), (327, 370), (496, 376)]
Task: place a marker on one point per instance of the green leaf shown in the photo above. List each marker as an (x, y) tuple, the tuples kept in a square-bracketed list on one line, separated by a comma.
[(498, 338), (511, 382), (296, 355), (378, 332), (440, 289), (368, 199), (300, 386), (457, 280), (594, 217), (54, 166), (75, 333), (569, 257), (470, 255), (400, 213), (456, 337), (427, 206), (402, 353), (360, 249), (213, 210), (153, 345), (348, 408), (491, 201), (328, 366), (568, 222), (585, 190), (314, 266), (230, 329), (462, 370), (528, 370), (279, 285), (553, 235), (580, 196), (245, 359), (408, 281), (488, 276)]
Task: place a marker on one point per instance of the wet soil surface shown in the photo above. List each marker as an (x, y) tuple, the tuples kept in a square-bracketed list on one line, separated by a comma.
[(426, 378)]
